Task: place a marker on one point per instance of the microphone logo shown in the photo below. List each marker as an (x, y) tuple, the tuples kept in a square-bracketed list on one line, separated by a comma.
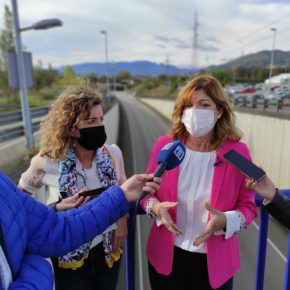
[(179, 152)]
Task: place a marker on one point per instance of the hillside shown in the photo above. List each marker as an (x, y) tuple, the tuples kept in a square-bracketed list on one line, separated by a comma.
[(260, 59), (142, 68)]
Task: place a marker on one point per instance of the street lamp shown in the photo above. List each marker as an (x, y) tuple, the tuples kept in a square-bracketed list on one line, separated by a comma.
[(43, 24), (272, 55), (106, 60)]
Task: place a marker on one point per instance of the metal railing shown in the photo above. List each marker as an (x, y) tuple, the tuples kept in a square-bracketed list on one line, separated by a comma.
[(10, 117), (11, 125), (258, 103), (261, 251)]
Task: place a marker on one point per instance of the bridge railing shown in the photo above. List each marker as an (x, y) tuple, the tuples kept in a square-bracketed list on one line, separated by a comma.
[(261, 250)]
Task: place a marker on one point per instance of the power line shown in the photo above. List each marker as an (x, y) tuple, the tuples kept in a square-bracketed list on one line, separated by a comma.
[(257, 20), (264, 27), (255, 42)]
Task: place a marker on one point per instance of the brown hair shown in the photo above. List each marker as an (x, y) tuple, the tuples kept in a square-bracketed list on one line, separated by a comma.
[(64, 115), (225, 126)]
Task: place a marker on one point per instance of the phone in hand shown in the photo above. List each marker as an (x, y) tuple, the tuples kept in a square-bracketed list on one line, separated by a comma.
[(92, 193), (247, 167)]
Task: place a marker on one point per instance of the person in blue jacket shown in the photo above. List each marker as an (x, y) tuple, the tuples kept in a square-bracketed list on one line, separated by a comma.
[(30, 231)]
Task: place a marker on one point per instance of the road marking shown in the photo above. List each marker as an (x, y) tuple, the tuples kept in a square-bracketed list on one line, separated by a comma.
[(140, 256), (272, 245), (138, 224)]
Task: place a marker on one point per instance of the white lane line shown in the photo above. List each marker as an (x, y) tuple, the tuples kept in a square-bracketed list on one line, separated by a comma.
[(272, 245), (140, 256), (138, 224)]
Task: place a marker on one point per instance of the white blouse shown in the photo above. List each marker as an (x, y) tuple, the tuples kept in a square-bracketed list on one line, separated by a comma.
[(193, 190)]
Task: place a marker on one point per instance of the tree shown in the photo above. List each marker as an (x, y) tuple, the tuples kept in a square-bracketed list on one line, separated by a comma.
[(68, 76), (44, 77), (6, 44), (6, 36), (224, 76), (123, 75)]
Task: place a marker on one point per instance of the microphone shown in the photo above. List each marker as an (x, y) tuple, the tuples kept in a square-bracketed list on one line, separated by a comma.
[(169, 157)]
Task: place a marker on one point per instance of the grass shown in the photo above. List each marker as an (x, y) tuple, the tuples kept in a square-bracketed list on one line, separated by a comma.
[(37, 98)]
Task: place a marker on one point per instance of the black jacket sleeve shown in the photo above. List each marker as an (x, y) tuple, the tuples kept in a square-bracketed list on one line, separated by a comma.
[(279, 208)]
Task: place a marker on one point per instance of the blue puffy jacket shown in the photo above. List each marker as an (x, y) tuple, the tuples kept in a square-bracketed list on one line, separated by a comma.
[(32, 231)]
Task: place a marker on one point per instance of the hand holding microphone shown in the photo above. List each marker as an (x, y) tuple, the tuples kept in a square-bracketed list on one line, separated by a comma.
[(169, 157)]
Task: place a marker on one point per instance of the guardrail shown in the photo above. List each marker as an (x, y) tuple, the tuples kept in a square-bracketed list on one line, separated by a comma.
[(16, 116), (261, 252), (11, 125), (257, 102)]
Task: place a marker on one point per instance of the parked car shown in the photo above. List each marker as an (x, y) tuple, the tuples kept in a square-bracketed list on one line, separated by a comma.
[(248, 90), (252, 100), (285, 95)]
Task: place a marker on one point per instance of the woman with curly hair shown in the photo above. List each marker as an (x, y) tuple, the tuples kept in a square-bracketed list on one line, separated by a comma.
[(202, 204), (73, 157)]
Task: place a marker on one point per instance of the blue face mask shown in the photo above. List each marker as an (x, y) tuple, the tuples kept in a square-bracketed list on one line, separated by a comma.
[(92, 138)]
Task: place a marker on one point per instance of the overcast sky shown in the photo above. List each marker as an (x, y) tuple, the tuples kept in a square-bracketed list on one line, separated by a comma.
[(153, 30)]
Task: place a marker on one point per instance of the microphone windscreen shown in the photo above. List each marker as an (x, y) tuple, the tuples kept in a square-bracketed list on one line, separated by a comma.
[(171, 154)]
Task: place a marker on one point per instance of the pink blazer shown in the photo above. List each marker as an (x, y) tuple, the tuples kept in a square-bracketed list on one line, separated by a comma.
[(228, 193)]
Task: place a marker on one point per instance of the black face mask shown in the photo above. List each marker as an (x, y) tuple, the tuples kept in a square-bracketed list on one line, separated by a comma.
[(92, 138)]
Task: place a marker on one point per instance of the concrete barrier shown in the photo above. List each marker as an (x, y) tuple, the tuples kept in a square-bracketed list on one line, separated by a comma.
[(267, 137)]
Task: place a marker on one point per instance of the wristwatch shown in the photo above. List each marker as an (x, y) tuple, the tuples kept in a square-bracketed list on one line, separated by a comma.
[(53, 204)]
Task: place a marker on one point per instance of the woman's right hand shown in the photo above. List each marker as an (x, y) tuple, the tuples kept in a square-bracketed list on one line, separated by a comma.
[(71, 202), (161, 210)]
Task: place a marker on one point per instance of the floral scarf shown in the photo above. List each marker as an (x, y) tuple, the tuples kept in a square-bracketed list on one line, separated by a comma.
[(68, 187)]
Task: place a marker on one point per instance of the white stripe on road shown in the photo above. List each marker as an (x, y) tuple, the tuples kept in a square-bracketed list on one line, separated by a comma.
[(272, 245), (140, 256), (138, 224)]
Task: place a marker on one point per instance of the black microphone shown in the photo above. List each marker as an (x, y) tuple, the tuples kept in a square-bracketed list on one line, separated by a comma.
[(169, 157)]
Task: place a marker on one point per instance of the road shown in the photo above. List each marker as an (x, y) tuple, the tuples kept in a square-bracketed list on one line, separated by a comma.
[(139, 128)]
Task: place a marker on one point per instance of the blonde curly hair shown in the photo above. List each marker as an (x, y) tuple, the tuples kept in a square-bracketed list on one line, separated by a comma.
[(225, 127), (64, 115)]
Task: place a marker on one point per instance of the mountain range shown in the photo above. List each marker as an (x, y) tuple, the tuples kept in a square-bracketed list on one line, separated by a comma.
[(149, 68), (142, 68), (260, 59)]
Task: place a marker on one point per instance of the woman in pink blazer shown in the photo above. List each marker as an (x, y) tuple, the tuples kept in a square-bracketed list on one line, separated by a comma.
[(203, 203)]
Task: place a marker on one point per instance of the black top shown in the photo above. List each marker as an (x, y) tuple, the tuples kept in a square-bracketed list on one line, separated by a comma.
[(279, 208)]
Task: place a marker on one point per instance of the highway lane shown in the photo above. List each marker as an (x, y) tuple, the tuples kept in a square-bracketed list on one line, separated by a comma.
[(139, 128)]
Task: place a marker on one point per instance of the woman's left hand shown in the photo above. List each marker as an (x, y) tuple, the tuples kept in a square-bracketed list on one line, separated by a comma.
[(218, 221), (120, 233)]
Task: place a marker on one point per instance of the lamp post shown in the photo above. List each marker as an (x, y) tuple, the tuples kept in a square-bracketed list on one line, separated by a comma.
[(43, 24), (272, 56), (107, 61)]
